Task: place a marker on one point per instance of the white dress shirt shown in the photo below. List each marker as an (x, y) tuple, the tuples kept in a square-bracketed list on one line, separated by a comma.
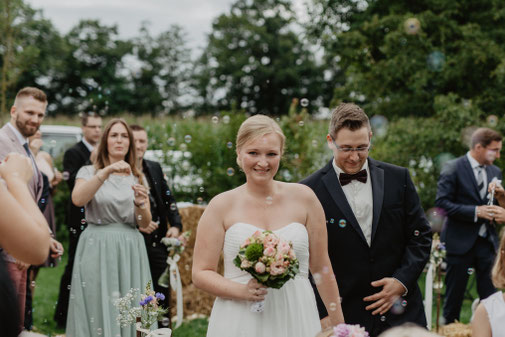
[(360, 198), (475, 167)]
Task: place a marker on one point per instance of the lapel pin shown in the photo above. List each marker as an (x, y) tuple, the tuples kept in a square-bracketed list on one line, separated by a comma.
[(342, 223)]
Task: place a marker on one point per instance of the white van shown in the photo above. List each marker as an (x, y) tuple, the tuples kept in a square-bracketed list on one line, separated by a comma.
[(58, 138)]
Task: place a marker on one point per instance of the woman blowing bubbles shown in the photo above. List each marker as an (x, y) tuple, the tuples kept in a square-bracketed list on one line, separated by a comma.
[(292, 212), (111, 255)]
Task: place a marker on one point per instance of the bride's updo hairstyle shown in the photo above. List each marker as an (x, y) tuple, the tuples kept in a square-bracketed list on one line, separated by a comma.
[(255, 127)]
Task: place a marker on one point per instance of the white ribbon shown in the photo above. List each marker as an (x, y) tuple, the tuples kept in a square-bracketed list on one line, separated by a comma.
[(428, 295), (176, 285), (164, 332)]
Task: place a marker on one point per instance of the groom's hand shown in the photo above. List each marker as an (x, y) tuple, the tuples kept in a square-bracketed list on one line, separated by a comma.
[(384, 300)]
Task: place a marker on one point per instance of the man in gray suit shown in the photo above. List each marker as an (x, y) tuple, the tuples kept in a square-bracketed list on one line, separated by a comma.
[(27, 114)]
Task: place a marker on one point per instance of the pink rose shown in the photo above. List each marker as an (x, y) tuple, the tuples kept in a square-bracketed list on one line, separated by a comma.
[(260, 267), (245, 264), (269, 251), (277, 268), (283, 247), (292, 254), (270, 240), (256, 234)]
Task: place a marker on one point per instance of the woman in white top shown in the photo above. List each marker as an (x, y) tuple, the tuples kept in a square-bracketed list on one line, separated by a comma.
[(294, 213), (489, 318)]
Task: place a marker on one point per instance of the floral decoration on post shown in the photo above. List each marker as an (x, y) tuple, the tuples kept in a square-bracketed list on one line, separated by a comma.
[(437, 258)]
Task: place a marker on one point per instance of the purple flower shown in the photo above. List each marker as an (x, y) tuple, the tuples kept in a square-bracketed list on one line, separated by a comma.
[(146, 300), (341, 330), (160, 296)]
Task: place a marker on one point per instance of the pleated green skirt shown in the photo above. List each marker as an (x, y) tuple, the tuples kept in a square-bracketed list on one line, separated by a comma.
[(109, 261)]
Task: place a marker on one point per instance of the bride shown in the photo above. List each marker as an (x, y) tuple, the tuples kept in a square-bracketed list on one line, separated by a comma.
[(291, 211)]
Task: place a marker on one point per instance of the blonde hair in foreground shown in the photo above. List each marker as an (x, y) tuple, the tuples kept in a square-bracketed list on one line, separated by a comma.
[(408, 330), (498, 272), (257, 126)]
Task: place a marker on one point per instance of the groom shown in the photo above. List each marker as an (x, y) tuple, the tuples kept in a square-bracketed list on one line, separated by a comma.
[(378, 237)]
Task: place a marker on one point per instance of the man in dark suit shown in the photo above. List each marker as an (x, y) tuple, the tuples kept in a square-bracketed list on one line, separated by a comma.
[(469, 233), (378, 237), (163, 210), (27, 113), (73, 159)]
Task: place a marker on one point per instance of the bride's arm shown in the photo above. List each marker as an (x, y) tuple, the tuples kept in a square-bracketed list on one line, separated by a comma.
[(319, 262), (208, 247)]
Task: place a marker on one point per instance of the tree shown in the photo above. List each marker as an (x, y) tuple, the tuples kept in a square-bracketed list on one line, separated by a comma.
[(255, 61), (398, 56), (163, 71), (16, 53)]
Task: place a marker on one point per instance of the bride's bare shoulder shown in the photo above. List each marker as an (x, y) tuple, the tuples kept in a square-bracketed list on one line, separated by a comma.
[(295, 189), (225, 199)]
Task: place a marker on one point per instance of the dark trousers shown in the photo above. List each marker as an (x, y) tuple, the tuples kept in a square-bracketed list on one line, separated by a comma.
[(60, 314), (157, 256), (479, 260)]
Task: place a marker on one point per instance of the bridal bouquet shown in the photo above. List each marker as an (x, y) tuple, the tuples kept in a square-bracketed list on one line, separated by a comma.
[(146, 314), (349, 330), (270, 260)]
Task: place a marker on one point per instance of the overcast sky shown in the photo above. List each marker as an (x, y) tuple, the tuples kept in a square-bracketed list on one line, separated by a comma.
[(195, 16)]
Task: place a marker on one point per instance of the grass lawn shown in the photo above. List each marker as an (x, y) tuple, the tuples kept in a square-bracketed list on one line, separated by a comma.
[(46, 294)]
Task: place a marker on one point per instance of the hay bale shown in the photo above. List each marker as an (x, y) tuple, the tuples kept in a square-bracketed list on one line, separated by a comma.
[(196, 301), (456, 330)]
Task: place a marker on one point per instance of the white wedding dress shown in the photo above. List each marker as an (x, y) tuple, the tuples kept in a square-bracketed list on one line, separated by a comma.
[(290, 311)]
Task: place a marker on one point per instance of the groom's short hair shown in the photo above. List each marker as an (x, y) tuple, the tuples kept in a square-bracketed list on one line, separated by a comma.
[(348, 116)]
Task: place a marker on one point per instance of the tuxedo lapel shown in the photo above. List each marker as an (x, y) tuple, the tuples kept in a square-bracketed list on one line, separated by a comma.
[(337, 194), (470, 176), (377, 177)]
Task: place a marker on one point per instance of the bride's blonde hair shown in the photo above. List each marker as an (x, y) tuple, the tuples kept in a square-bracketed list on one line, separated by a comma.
[(257, 126), (498, 272)]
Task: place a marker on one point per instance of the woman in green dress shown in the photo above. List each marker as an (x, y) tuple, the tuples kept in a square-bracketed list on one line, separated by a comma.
[(111, 256)]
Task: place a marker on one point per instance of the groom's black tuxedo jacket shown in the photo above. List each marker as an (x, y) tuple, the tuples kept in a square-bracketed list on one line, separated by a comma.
[(400, 247)]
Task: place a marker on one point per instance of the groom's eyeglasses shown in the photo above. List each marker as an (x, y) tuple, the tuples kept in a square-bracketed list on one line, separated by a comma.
[(349, 150)]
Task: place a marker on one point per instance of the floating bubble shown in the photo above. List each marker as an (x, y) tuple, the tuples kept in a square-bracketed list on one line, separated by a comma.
[(83, 284), (436, 216), (436, 61), (304, 102), (397, 308), (342, 223), (226, 119), (412, 26), (171, 141), (442, 159), (99, 331), (332, 220), (215, 119), (466, 135), (229, 145), (183, 147), (154, 244), (83, 221), (43, 201), (301, 123), (65, 175), (416, 233), (404, 303), (115, 294), (165, 321), (470, 271), (91, 241), (33, 284), (269, 200), (82, 209), (99, 221), (52, 143), (199, 200), (230, 171), (333, 306), (201, 189), (82, 228), (139, 217), (187, 267), (92, 320), (173, 206), (379, 125), (314, 143), (383, 318), (167, 193), (317, 278), (187, 138), (492, 120)]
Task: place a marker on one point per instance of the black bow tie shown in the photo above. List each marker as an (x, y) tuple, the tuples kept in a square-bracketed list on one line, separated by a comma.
[(347, 178)]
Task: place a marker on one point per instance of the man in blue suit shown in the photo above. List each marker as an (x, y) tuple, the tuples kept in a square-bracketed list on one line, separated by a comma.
[(469, 233)]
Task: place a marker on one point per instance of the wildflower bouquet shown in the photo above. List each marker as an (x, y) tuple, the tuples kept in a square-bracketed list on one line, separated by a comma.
[(270, 260), (148, 311)]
